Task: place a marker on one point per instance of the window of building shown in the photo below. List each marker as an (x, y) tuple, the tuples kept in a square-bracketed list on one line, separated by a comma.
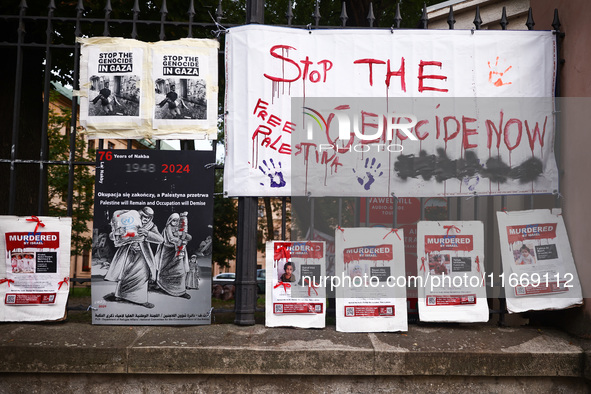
[(86, 261)]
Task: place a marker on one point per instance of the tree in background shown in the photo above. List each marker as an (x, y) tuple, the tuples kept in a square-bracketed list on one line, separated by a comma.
[(225, 218), (58, 135)]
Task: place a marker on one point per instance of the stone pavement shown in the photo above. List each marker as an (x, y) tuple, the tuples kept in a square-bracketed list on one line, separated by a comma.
[(442, 358)]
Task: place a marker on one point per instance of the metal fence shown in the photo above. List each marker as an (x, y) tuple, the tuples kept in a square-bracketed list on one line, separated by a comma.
[(41, 48)]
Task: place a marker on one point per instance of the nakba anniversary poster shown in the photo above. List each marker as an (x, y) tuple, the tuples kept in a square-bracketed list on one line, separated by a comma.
[(153, 218)]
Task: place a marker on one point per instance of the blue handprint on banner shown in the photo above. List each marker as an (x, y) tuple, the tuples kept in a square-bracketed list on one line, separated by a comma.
[(275, 175), (371, 173)]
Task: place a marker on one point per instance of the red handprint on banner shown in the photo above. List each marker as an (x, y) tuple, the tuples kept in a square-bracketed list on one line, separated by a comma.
[(494, 75)]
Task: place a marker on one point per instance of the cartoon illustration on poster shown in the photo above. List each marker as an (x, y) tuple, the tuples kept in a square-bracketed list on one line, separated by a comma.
[(295, 293), (34, 280), (538, 267), (450, 267), (153, 223), (369, 269)]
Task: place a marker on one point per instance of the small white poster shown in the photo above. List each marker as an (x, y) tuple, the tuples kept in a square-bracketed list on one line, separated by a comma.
[(113, 82), (539, 271), (370, 271), (184, 74), (296, 291), (451, 279), (34, 280)]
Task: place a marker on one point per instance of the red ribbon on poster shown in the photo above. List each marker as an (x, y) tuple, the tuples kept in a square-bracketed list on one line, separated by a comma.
[(395, 231), (478, 269), (452, 227), (39, 222), (284, 284), (9, 281), (65, 281), (422, 264), (342, 230)]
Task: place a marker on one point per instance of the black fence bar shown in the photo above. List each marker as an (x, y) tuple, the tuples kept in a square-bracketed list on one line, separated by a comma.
[(246, 251), (283, 218), (17, 107), (46, 86), (246, 254), (557, 93), (73, 128)]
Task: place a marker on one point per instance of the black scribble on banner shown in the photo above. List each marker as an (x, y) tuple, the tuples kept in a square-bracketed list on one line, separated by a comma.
[(405, 167), (425, 165), (496, 170), (443, 168), (528, 171), (469, 165)]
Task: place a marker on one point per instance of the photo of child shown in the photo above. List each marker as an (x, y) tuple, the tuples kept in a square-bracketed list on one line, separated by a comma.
[(524, 255), (439, 264)]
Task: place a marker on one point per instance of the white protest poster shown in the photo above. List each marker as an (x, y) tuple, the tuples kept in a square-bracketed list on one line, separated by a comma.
[(539, 271), (373, 113), (295, 286), (134, 89), (370, 280), (185, 78), (34, 278), (451, 277), (113, 86)]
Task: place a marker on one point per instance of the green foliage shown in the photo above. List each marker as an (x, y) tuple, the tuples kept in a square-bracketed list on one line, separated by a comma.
[(58, 135), (225, 225)]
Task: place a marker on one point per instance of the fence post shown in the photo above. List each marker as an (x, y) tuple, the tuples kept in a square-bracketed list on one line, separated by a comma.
[(246, 242), (246, 261)]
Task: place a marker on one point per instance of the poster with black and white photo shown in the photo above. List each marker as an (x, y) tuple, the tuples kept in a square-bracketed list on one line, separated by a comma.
[(539, 271), (35, 274), (185, 86), (114, 74), (152, 240), (451, 279)]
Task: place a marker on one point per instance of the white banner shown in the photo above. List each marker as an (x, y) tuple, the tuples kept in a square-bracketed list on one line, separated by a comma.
[(539, 271), (375, 112)]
